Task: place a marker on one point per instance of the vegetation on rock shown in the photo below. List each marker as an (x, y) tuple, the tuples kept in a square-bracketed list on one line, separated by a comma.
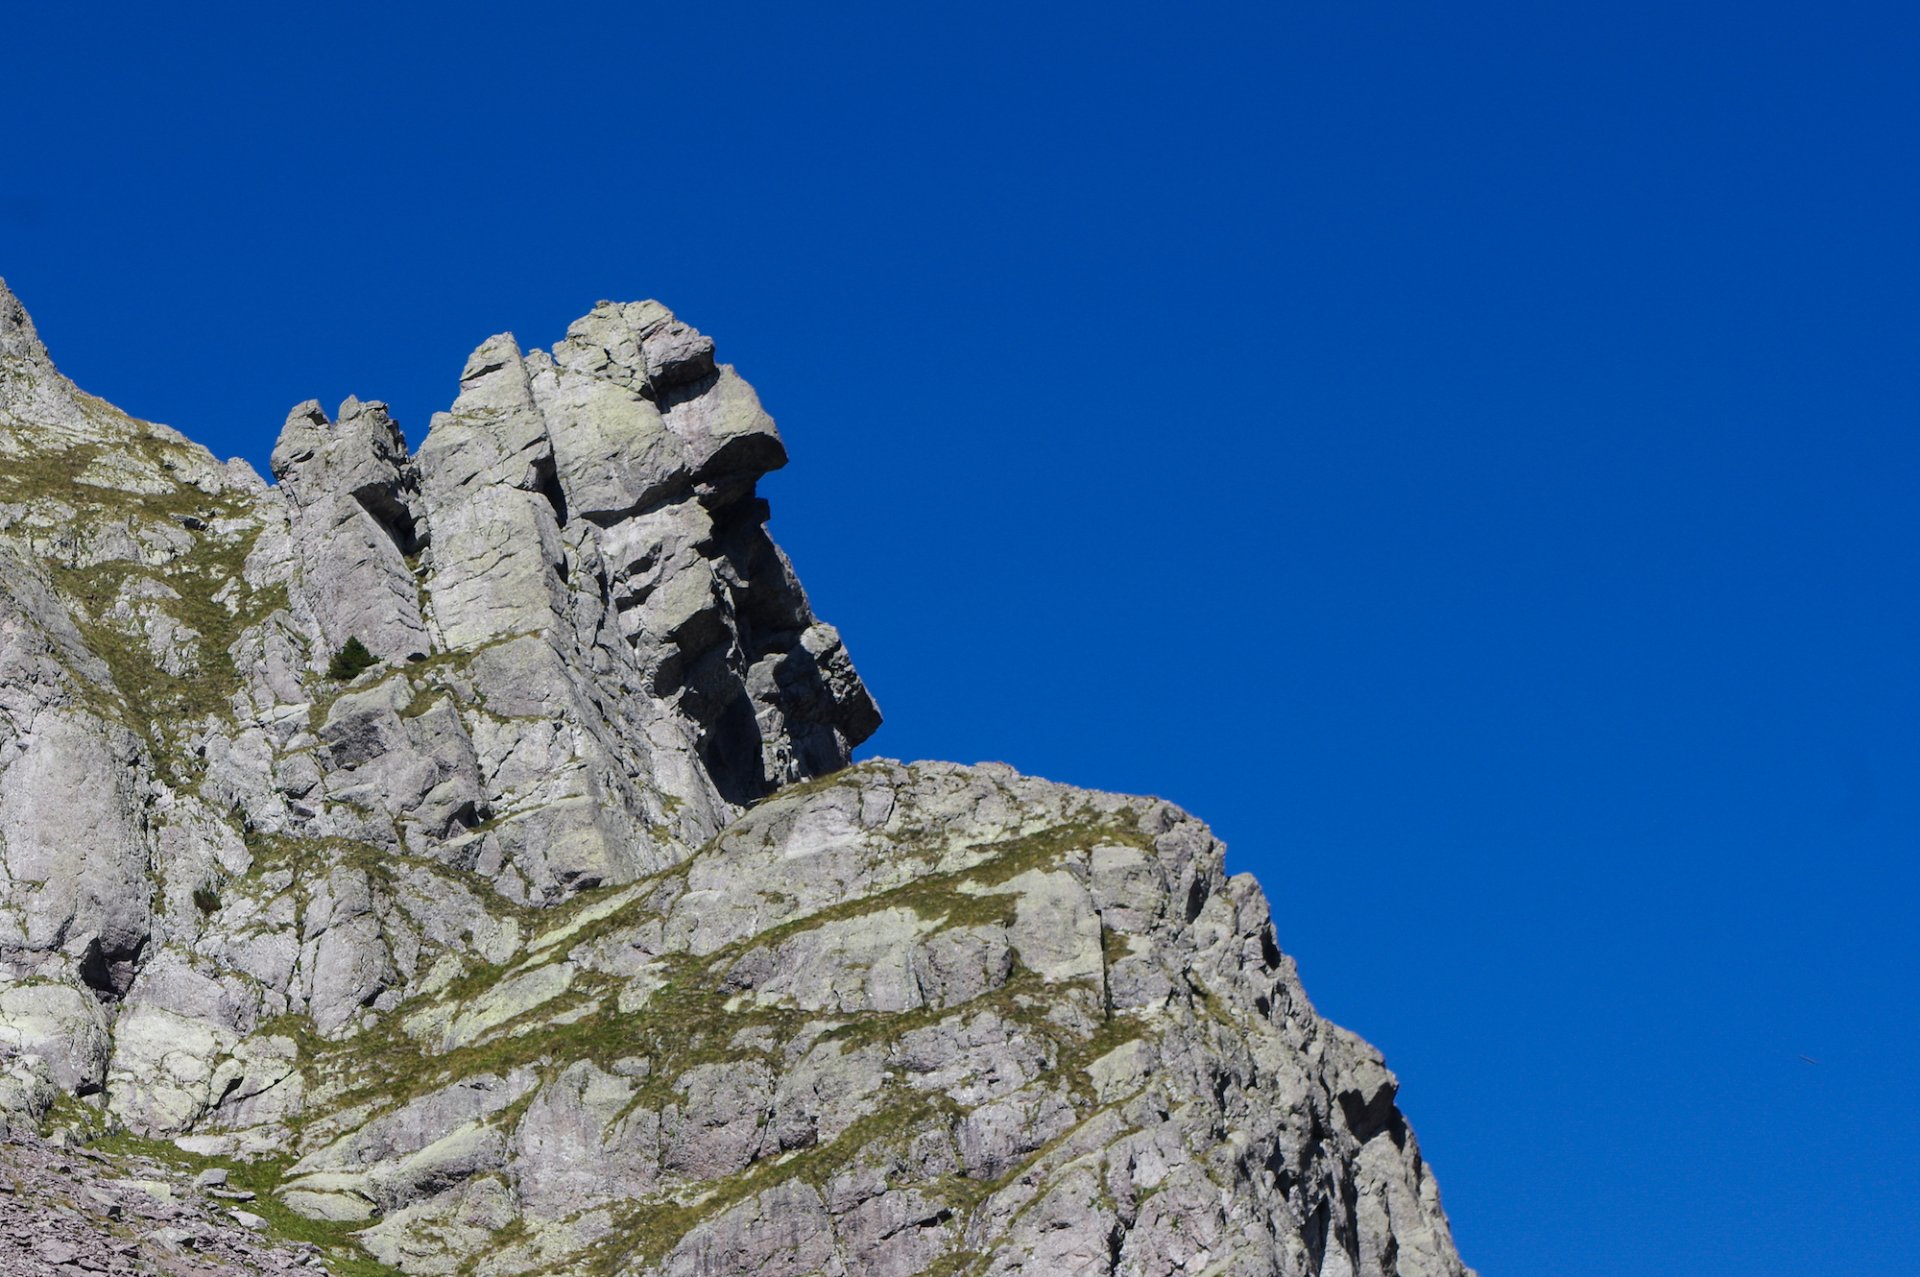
[(351, 661), (572, 941)]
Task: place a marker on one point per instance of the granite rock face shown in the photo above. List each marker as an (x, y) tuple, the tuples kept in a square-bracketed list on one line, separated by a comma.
[(564, 938)]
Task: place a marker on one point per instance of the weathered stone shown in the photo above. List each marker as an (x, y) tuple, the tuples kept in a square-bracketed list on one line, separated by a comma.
[(354, 516), (565, 938), (60, 1024)]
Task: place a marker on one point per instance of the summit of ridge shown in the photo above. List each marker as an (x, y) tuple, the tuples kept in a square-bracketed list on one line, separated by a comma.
[(19, 341)]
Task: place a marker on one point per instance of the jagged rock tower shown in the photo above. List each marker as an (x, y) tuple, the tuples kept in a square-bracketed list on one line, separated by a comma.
[(564, 939)]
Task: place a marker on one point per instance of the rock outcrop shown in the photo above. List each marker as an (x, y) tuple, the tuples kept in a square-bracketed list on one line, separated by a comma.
[(564, 938)]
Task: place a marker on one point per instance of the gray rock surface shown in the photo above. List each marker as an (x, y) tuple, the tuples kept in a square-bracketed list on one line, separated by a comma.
[(564, 939), (67, 1210)]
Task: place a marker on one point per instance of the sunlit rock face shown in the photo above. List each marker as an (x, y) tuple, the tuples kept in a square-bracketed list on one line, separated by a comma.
[(461, 844)]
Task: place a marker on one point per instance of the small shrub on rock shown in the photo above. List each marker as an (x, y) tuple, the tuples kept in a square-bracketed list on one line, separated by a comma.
[(352, 660)]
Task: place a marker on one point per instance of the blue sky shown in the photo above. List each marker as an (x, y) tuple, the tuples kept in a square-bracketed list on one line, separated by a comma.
[(1465, 453)]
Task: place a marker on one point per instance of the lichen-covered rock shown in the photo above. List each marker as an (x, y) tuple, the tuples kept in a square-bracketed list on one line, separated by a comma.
[(563, 938)]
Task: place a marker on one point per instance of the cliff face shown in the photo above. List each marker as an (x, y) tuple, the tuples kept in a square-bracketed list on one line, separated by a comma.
[(564, 938)]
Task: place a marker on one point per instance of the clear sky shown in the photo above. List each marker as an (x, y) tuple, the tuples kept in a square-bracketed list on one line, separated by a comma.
[(1465, 452)]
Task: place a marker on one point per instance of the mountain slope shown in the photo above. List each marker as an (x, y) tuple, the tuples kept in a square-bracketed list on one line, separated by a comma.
[(562, 937)]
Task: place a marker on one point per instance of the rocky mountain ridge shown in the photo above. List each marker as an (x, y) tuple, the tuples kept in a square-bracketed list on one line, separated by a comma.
[(564, 939)]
